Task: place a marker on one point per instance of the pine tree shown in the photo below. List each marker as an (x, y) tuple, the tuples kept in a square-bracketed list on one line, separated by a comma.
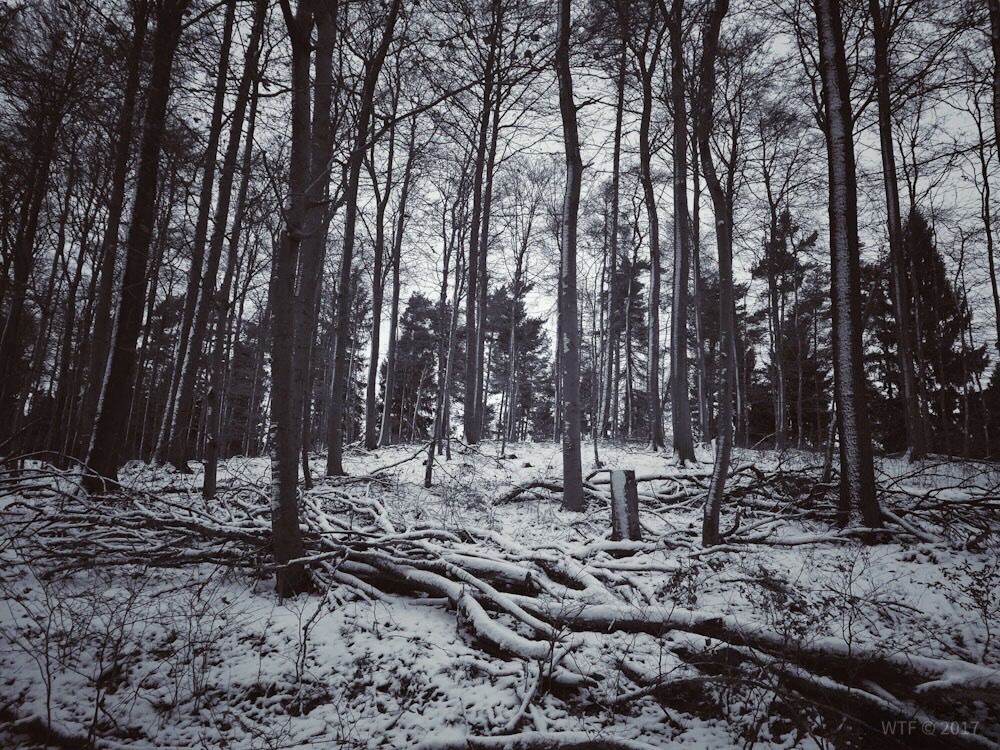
[(944, 363)]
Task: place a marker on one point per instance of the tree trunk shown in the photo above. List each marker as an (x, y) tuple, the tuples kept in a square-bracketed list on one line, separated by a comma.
[(172, 443), (378, 282), (484, 243), (385, 432), (286, 415), (100, 338), (915, 447), (573, 498), (373, 66), (473, 359), (647, 69), (994, 9), (701, 364), (214, 398), (857, 479), (680, 404), (723, 210), (106, 445)]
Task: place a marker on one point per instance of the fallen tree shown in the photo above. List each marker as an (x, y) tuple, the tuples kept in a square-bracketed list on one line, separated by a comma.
[(522, 603)]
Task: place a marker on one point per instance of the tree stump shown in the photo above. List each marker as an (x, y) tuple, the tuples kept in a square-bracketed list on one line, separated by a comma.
[(624, 506)]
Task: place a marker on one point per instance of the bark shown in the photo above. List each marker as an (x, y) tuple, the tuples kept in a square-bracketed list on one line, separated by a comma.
[(723, 210), (378, 282), (647, 69), (680, 404), (100, 338), (385, 434), (373, 67), (443, 344), (202, 287), (611, 380), (986, 214), (43, 151), (701, 365), (155, 264), (473, 358), (286, 417), (994, 9), (60, 437), (915, 447), (173, 436), (106, 447), (482, 373), (573, 497), (221, 297), (857, 481)]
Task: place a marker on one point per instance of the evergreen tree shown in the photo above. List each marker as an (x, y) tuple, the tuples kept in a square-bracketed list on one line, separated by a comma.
[(411, 404), (946, 366), (531, 347)]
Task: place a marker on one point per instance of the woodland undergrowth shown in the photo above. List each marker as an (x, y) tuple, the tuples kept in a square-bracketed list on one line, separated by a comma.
[(829, 651)]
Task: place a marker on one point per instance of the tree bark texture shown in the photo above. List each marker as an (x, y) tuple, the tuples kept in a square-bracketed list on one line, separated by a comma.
[(573, 497), (680, 402), (857, 480), (106, 446)]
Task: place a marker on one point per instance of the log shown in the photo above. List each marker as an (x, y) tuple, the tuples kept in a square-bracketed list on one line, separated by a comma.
[(624, 506)]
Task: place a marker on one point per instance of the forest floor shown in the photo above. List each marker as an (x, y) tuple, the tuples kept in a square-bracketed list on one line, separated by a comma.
[(478, 613)]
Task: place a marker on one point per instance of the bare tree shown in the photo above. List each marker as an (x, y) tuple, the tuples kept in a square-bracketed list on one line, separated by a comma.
[(372, 70), (679, 397), (573, 498), (723, 210), (105, 454), (881, 32), (857, 477)]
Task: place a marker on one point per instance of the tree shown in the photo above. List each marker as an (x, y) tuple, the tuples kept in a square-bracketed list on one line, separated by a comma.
[(573, 498), (246, 95), (372, 70), (680, 402), (857, 472), (646, 48), (105, 454), (881, 32), (722, 207), (948, 367), (409, 404), (291, 260)]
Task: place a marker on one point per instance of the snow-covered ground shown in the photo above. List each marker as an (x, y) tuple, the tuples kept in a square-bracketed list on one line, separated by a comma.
[(134, 650)]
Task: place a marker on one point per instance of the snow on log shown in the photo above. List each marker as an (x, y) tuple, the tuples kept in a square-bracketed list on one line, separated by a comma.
[(536, 741), (624, 506)]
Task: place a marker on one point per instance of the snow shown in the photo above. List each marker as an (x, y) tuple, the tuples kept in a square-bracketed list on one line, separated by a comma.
[(463, 655)]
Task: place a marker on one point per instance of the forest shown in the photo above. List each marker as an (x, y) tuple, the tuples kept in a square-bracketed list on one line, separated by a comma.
[(499, 373)]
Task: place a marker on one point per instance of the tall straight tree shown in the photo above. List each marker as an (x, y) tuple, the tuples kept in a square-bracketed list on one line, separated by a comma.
[(378, 275), (106, 446), (994, 11), (100, 338), (723, 210), (857, 473), (203, 288), (471, 414), (680, 414), (994, 8), (246, 95), (385, 432), (569, 324), (372, 70), (646, 46), (295, 257), (881, 30)]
